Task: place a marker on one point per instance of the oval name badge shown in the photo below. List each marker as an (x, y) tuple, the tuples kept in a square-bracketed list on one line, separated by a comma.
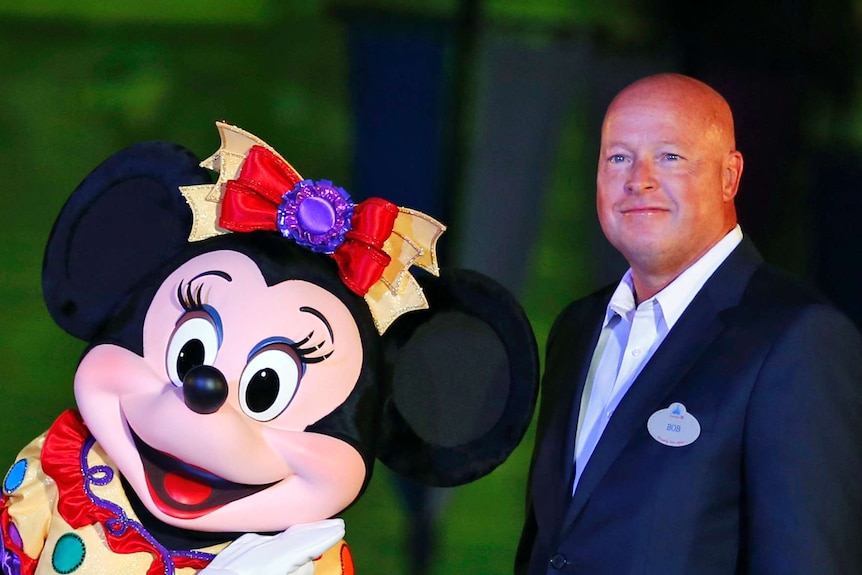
[(673, 426)]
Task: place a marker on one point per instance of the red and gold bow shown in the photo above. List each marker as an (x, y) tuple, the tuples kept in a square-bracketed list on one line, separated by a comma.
[(374, 249)]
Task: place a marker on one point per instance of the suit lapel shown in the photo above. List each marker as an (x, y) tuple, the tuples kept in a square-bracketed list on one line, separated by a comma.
[(581, 366), (699, 325), (569, 354)]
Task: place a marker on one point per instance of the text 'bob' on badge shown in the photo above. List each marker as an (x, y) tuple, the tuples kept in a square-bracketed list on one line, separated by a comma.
[(673, 426)]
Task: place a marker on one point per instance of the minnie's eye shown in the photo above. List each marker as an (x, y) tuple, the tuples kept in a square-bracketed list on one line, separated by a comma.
[(269, 382), (194, 342)]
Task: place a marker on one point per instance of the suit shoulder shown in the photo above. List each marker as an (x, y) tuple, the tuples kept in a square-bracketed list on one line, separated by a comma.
[(783, 300), (578, 310), (578, 315), (773, 288)]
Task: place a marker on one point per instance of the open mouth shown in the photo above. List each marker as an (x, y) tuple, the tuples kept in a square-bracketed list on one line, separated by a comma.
[(185, 491)]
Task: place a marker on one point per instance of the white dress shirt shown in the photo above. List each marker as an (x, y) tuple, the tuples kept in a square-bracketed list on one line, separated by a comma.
[(629, 337)]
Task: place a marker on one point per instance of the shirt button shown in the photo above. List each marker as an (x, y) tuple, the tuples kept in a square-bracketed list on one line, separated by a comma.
[(636, 352), (558, 561)]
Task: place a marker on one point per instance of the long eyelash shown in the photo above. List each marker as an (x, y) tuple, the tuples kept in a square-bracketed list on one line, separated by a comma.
[(188, 299), (304, 353)]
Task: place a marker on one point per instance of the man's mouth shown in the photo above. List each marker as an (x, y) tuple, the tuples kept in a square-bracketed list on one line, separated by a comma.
[(638, 210), (186, 491)]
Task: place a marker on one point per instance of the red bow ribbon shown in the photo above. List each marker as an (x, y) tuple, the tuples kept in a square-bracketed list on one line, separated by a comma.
[(251, 203)]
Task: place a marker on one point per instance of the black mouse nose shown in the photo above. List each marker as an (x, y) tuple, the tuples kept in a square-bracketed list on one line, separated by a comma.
[(204, 389)]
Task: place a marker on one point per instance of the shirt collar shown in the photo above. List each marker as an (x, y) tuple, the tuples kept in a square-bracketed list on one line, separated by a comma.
[(675, 297)]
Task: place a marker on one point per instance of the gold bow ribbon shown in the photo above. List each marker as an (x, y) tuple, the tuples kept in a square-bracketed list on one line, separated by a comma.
[(413, 240)]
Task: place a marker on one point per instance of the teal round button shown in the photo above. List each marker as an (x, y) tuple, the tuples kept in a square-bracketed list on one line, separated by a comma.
[(68, 553)]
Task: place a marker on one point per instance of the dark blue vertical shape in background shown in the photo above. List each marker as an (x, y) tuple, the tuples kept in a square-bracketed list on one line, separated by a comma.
[(400, 83), (837, 203), (399, 86)]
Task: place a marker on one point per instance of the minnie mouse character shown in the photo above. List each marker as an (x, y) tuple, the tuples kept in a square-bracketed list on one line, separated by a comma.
[(249, 357)]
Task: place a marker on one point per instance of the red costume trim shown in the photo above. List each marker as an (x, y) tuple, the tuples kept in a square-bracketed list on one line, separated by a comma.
[(347, 561), (61, 460)]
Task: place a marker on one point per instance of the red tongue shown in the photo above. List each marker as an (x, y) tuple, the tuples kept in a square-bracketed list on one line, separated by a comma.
[(184, 490)]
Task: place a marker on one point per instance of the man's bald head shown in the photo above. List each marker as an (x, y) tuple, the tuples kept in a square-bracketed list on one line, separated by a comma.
[(702, 104)]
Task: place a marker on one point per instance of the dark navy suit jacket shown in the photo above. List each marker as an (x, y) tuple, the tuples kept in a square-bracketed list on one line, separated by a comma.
[(772, 485)]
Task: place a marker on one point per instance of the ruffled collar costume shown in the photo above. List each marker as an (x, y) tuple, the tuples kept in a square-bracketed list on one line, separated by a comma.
[(78, 483), (66, 475)]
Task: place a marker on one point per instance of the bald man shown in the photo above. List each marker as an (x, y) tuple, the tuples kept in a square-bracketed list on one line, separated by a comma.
[(704, 415)]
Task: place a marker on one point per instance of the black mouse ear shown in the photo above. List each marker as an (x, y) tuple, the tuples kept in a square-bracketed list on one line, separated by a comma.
[(461, 381), (124, 221)]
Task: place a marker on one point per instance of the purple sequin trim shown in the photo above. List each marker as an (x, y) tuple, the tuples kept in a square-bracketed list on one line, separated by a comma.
[(15, 536), (315, 215), (10, 563), (101, 475)]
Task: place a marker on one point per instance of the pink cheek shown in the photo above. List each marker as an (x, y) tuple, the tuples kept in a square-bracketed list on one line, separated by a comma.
[(322, 393), (111, 371)]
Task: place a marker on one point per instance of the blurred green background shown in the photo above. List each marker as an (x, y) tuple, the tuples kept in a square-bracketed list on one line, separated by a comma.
[(78, 81)]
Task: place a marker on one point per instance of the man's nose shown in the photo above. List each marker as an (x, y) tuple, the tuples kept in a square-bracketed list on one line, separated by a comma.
[(641, 178)]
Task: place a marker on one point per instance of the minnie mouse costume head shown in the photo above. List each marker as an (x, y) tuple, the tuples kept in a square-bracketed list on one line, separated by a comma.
[(254, 345)]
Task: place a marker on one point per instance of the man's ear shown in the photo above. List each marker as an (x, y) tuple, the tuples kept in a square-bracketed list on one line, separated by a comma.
[(731, 173), (123, 222), (460, 381)]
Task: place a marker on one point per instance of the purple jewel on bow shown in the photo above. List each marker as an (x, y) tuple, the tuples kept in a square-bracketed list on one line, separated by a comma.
[(315, 215)]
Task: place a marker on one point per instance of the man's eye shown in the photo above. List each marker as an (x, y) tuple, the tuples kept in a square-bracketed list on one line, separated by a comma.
[(617, 158), (672, 157)]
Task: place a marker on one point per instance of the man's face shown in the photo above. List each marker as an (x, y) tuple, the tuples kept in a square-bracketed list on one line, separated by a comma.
[(662, 197)]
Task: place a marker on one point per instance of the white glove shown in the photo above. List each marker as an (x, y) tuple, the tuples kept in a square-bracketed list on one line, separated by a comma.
[(291, 552)]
